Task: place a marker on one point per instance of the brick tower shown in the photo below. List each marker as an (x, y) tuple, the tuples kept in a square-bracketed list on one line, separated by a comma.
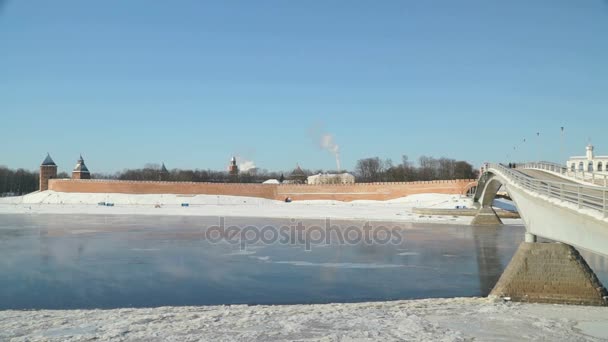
[(48, 170), (233, 170), (81, 171)]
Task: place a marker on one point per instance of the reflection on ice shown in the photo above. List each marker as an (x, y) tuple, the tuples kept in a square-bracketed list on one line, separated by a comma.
[(261, 258), (408, 253), (63, 261), (242, 252), (337, 265)]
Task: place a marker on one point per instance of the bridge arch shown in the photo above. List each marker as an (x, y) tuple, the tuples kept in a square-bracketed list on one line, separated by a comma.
[(487, 189), (470, 189)]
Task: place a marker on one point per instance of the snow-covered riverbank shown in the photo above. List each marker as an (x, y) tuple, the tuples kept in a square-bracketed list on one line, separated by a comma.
[(400, 210), (456, 319)]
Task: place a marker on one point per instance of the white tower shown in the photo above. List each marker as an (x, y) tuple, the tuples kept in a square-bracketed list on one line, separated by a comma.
[(589, 152)]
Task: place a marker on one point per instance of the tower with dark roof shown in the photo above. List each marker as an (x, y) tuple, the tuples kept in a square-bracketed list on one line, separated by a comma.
[(298, 176), (163, 174), (48, 170), (80, 170)]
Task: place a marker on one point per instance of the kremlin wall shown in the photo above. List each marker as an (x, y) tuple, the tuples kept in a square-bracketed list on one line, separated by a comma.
[(81, 183)]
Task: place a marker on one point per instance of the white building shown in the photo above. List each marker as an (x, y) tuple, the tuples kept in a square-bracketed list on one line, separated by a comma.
[(331, 178), (588, 163)]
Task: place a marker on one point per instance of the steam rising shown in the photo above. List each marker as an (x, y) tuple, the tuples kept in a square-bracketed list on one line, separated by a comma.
[(328, 143), (246, 165)]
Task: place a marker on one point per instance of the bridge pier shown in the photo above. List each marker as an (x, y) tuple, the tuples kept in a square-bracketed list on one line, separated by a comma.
[(486, 217), (549, 273), (529, 237)]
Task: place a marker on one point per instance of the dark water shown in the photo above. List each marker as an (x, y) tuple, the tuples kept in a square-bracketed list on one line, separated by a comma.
[(67, 261)]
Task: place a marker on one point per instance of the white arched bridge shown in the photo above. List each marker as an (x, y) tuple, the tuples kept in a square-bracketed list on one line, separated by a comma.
[(553, 202)]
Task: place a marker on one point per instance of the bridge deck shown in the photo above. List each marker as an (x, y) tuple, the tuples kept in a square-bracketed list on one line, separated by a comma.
[(542, 175), (538, 174), (553, 207)]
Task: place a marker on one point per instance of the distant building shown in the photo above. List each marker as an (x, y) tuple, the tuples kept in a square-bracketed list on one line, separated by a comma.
[(298, 176), (48, 170), (332, 178), (163, 173), (80, 170), (233, 170), (589, 162)]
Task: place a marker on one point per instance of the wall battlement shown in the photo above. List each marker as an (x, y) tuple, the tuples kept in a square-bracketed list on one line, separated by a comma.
[(340, 192), (384, 183)]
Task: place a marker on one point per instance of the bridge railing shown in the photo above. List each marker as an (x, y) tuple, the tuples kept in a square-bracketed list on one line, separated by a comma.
[(583, 196), (596, 178)]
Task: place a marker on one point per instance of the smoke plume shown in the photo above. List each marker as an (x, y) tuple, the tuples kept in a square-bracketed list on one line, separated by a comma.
[(246, 165), (327, 142)]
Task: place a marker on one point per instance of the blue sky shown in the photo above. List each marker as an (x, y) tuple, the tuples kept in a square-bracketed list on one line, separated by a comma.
[(191, 83)]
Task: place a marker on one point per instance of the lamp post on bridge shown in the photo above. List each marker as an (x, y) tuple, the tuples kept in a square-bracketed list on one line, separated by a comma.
[(562, 144), (515, 152), (523, 142), (538, 146)]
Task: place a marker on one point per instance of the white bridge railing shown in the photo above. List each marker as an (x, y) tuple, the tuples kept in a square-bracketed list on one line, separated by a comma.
[(596, 178), (583, 196)]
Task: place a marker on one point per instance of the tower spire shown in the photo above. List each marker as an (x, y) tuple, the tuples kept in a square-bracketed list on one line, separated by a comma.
[(80, 170)]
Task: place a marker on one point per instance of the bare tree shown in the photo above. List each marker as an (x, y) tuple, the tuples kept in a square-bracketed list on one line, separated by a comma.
[(369, 169), (372, 170)]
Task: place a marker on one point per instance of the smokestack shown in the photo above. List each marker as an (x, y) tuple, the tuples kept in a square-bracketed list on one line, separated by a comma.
[(338, 161)]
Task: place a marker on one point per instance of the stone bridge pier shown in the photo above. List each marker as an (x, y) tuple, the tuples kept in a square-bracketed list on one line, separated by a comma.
[(549, 273), (486, 216)]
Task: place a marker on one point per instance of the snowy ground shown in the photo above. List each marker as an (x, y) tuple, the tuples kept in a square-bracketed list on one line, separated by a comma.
[(456, 319), (398, 210)]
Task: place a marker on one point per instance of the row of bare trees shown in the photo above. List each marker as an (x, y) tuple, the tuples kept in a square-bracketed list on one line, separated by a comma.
[(366, 170), (17, 182), (151, 172), (377, 170)]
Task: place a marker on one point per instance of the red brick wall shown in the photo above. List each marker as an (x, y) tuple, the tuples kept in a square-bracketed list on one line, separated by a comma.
[(371, 191), (135, 187), (340, 192)]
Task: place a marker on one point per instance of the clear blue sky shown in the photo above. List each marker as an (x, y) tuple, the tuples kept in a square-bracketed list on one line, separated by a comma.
[(192, 82)]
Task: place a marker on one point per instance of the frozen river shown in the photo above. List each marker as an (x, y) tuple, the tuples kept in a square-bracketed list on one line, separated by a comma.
[(88, 261)]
